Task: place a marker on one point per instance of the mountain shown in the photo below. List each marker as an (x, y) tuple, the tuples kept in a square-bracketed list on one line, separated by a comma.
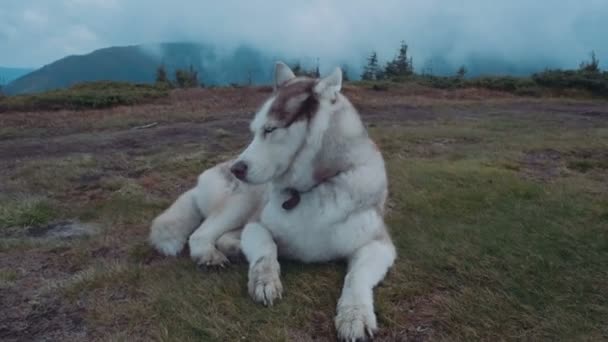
[(244, 64), (9, 74), (138, 63)]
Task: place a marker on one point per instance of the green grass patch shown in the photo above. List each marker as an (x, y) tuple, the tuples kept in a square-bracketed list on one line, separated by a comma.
[(26, 212), (130, 204), (93, 95), (518, 258), (7, 277)]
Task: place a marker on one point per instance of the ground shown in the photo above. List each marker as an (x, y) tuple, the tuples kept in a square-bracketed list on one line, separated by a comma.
[(498, 207)]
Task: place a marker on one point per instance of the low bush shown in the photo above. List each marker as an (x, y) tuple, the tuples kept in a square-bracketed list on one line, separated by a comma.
[(91, 95)]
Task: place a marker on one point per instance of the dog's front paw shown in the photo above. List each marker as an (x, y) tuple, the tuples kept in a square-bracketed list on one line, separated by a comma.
[(355, 322), (207, 255), (163, 238), (264, 281)]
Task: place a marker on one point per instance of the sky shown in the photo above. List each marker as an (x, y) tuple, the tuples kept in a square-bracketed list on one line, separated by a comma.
[(561, 32)]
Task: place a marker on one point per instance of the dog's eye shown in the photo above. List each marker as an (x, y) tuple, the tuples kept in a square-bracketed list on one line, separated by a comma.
[(268, 130)]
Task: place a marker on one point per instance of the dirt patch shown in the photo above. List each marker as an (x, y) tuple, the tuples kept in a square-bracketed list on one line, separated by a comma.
[(63, 230), (133, 142), (544, 164), (29, 310), (320, 328), (420, 316), (41, 318), (547, 164)]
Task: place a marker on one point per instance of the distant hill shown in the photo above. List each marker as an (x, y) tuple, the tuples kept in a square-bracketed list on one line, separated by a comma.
[(244, 64), (138, 64), (9, 74)]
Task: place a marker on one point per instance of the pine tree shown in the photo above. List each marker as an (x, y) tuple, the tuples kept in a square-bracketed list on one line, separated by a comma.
[(192, 77), (297, 69), (462, 72), (345, 76), (401, 65), (592, 66), (371, 70)]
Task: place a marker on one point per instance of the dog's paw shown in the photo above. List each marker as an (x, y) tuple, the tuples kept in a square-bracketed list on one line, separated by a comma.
[(163, 239), (264, 281), (208, 256), (355, 322)]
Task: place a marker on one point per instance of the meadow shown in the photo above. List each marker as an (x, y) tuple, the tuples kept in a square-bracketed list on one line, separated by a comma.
[(498, 207)]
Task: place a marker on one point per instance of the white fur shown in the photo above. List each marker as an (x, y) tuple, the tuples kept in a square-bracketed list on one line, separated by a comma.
[(338, 218), (209, 216)]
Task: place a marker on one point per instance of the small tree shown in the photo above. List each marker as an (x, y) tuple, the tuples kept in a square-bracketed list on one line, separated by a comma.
[(592, 66), (462, 72), (161, 76), (371, 70), (345, 76), (186, 78), (249, 77), (316, 73), (401, 65), (299, 70)]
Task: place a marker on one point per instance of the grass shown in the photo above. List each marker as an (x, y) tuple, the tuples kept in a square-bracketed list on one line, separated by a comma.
[(520, 258), (92, 95), (570, 83), (24, 212), (499, 215), (7, 277)]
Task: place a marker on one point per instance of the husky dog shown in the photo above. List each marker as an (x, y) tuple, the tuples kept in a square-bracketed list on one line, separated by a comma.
[(311, 186)]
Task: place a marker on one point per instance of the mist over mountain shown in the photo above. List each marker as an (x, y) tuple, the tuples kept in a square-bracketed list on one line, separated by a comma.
[(243, 64), (9, 74), (138, 63)]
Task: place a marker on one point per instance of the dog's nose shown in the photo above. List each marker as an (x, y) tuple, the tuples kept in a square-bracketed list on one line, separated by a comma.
[(239, 170)]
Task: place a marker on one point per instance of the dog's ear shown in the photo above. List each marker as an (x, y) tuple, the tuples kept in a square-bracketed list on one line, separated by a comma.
[(282, 74), (330, 86)]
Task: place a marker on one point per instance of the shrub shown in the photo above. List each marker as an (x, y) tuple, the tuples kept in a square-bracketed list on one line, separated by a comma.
[(101, 94), (594, 82), (186, 78), (161, 76)]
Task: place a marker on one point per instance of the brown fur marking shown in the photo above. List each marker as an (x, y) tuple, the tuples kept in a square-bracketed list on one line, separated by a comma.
[(292, 103), (321, 175)]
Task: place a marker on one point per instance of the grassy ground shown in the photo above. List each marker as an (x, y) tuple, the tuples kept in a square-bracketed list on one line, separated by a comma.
[(498, 207)]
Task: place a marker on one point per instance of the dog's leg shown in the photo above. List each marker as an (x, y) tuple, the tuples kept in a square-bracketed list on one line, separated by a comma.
[(264, 271), (230, 244), (170, 230), (366, 268), (232, 215)]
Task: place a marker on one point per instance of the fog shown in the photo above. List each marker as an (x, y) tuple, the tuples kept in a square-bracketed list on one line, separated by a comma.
[(521, 34)]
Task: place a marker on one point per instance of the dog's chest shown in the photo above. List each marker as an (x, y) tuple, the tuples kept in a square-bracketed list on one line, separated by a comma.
[(306, 240)]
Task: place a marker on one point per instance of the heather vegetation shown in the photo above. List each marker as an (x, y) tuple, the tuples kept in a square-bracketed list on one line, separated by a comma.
[(588, 79), (91, 95)]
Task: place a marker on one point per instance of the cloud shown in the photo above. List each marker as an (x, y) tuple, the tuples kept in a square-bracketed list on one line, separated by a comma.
[(35, 32)]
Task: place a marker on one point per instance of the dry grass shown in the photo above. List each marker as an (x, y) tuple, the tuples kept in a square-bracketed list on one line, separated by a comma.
[(497, 206)]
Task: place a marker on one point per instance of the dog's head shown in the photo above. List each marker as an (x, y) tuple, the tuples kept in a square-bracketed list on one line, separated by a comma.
[(281, 126)]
